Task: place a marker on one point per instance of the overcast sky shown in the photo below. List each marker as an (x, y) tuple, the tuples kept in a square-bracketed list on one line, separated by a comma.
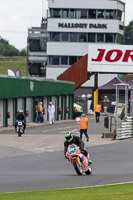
[(16, 16)]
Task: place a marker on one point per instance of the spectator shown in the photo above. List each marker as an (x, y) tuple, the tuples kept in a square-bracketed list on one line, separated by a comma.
[(97, 112), (39, 111), (51, 111), (83, 122), (106, 100), (36, 112)]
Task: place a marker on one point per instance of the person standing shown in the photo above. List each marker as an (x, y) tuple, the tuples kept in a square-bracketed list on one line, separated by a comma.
[(51, 111), (83, 125), (97, 112), (39, 111), (36, 112), (106, 100)]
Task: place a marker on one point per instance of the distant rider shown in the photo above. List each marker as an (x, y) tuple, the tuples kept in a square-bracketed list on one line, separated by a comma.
[(73, 139), (20, 117)]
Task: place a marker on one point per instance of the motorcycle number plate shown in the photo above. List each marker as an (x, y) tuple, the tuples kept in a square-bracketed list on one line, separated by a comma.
[(19, 123)]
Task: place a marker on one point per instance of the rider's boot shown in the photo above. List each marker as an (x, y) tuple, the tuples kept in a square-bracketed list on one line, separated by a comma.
[(89, 160)]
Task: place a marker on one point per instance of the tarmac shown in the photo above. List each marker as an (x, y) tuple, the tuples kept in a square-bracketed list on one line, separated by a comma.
[(37, 143)]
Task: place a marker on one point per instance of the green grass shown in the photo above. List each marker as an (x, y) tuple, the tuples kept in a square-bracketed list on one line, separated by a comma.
[(115, 192), (13, 63)]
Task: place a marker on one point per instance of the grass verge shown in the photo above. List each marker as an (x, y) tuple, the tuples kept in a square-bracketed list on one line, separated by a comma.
[(13, 63), (115, 192)]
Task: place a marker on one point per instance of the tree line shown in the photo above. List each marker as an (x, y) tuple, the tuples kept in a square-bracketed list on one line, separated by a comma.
[(7, 49), (128, 34)]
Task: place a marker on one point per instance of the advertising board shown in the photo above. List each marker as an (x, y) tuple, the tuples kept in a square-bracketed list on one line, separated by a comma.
[(110, 58)]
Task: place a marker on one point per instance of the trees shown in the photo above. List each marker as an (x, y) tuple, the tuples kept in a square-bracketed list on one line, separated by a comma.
[(3, 41), (128, 34), (8, 50), (22, 52)]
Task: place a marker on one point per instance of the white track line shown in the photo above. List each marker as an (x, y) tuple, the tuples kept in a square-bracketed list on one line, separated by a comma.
[(59, 129), (73, 187), (100, 185)]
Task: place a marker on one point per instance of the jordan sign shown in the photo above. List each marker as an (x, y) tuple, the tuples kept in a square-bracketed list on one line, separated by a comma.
[(110, 58)]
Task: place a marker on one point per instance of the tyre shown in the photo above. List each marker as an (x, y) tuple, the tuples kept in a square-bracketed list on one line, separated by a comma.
[(77, 167), (19, 132), (89, 171)]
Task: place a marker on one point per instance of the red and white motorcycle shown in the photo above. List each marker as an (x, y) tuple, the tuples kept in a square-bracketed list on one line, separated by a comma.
[(78, 160)]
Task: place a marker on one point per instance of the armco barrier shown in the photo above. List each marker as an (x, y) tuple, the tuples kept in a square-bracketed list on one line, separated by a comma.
[(125, 130)]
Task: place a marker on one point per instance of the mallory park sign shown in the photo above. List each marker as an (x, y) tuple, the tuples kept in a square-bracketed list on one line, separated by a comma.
[(110, 58), (82, 25)]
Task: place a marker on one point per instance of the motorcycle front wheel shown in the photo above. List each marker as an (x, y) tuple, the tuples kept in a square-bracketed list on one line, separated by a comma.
[(19, 132), (77, 167), (89, 171)]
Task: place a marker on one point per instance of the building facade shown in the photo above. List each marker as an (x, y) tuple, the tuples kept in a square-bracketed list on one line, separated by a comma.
[(23, 93), (72, 24), (36, 50)]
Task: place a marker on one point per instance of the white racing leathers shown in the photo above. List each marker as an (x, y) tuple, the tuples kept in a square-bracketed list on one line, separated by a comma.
[(51, 110)]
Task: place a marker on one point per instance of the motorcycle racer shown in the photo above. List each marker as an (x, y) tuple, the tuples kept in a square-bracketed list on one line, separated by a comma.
[(73, 139), (20, 116)]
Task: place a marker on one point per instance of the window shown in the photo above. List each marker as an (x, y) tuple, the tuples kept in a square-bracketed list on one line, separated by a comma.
[(92, 14), (64, 37), (77, 13), (43, 43), (72, 60), (83, 13), (110, 14), (56, 13), (100, 14), (55, 60), (109, 37), (119, 15), (34, 45), (82, 37), (100, 37), (121, 27), (55, 36), (72, 13), (65, 13), (119, 39), (74, 37), (51, 12), (91, 37), (64, 60)]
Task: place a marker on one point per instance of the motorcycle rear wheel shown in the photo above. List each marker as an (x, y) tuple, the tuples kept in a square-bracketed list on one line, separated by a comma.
[(77, 168)]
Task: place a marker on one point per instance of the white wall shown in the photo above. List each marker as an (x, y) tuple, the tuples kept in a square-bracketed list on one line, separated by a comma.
[(54, 101), (20, 104), (59, 107), (29, 108), (1, 112), (10, 109), (52, 73), (100, 4), (102, 79), (45, 105), (72, 49), (67, 105)]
